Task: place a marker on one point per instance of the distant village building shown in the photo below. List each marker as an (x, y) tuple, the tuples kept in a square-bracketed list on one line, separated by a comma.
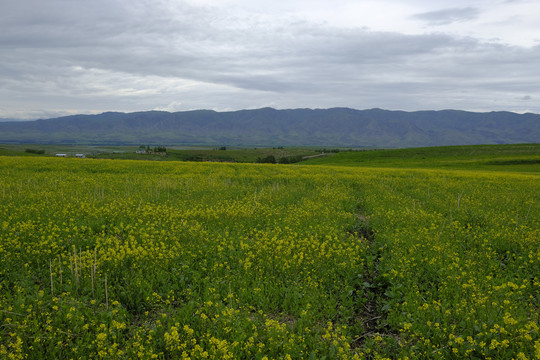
[(61, 155)]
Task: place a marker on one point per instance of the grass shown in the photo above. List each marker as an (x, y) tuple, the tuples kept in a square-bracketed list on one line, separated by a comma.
[(169, 259), (515, 157), (243, 155), (518, 157)]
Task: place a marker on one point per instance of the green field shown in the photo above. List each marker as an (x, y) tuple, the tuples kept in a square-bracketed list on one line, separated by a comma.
[(519, 157), (174, 153), (375, 254)]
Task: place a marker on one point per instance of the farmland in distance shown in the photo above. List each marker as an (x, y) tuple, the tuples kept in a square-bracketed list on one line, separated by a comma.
[(139, 259)]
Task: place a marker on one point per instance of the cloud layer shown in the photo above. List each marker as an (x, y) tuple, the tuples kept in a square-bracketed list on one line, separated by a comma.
[(81, 57), (448, 16)]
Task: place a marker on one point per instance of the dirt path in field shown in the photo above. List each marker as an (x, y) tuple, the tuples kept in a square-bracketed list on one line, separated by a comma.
[(371, 293), (314, 156)]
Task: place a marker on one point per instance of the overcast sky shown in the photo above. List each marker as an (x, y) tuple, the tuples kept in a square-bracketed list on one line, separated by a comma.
[(59, 57)]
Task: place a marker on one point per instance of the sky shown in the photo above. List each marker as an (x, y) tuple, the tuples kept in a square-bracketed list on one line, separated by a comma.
[(61, 57)]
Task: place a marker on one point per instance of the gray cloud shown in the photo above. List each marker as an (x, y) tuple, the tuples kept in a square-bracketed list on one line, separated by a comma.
[(75, 56), (448, 16)]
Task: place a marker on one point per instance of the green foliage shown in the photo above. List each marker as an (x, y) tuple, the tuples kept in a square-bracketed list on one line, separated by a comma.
[(141, 259), (243, 155), (290, 159), (324, 150), (35, 151), (270, 159), (517, 157)]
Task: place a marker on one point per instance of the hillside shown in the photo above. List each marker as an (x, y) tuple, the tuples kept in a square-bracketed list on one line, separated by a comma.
[(508, 157), (300, 127)]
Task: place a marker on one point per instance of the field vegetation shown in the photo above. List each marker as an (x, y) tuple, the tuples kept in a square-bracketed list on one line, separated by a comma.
[(173, 153), (514, 157), (169, 260)]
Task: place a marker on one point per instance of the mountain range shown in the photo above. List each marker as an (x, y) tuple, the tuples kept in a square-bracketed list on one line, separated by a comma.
[(340, 127)]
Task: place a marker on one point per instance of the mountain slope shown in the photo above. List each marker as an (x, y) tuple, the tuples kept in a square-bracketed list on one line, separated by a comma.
[(267, 126)]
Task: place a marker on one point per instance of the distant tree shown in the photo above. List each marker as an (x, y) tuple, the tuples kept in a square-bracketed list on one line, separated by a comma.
[(327, 150), (290, 159), (35, 151), (270, 159)]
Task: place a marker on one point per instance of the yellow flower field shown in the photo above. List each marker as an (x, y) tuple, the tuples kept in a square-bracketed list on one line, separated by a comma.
[(169, 260)]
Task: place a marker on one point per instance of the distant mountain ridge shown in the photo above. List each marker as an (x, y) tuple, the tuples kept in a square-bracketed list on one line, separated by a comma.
[(270, 127)]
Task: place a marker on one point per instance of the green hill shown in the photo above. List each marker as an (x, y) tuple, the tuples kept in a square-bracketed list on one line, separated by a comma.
[(512, 157)]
